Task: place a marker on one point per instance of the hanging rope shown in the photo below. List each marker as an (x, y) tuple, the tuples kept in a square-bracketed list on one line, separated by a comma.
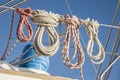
[(9, 38), (24, 13), (45, 20), (72, 28), (13, 47), (92, 31)]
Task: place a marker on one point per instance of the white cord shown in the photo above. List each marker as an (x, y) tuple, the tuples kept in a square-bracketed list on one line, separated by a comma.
[(45, 20), (108, 67), (92, 29), (105, 25), (8, 7)]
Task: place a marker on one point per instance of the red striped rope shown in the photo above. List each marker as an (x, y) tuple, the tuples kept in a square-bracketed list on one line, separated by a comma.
[(72, 28), (24, 13)]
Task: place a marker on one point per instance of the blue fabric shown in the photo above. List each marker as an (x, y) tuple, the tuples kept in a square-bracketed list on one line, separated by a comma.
[(40, 63)]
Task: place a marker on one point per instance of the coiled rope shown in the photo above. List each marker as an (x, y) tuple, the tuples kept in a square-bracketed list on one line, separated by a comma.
[(24, 13), (45, 20), (72, 28), (92, 31)]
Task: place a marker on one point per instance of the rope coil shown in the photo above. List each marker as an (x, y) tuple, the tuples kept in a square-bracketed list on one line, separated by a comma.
[(92, 31), (72, 28), (45, 20), (24, 13)]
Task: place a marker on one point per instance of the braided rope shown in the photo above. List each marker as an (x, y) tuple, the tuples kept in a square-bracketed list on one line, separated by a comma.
[(72, 28), (24, 13), (45, 20), (9, 38), (92, 30), (13, 47)]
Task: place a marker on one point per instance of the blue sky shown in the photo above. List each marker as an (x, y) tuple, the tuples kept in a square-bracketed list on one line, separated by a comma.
[(100, 10)]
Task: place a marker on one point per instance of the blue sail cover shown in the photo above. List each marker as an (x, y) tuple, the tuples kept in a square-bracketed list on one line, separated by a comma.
[(39, 63)]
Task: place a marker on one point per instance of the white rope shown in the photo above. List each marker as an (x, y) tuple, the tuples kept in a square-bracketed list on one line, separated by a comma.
[(108, 67), (45, 20), (92, 30), (7, 7), (105, 25)]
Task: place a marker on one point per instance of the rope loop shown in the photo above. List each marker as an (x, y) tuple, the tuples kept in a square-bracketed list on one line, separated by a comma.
[(72, 29), (45, 20), (24, 13), (92, 31)]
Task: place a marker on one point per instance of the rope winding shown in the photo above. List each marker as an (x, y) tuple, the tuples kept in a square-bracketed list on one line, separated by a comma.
[(45, 20), (92, 30), (24, 13), (72, 28)]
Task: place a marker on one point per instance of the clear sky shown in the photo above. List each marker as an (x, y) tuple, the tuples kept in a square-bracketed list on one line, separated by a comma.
[(100, 10)]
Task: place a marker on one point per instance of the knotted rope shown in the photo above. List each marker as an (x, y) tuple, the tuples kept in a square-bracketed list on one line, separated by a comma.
[(92, 30), (24, 13), (45, 20), (72, 28)]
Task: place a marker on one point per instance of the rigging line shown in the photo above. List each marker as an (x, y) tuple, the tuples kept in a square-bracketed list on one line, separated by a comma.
[(33, 56), (112, 56), (110, 60), (113, 50), (8, 7), (9, 38), (109, 33), (12, 7), (60, 31), (116, 54), (68, 6), (107, 68), (8, 2), (105, 25), (20, 55)]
